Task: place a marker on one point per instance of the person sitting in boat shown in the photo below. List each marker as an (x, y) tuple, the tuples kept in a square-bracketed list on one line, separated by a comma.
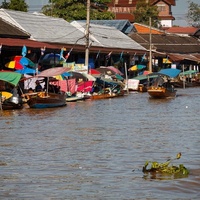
[(38, 87), (30, 90)]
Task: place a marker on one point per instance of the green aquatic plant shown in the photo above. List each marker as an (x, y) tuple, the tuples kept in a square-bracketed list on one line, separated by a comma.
[(166, 168)]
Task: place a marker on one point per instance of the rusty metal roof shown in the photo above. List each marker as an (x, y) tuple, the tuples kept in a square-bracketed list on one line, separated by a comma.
[(168, 43)]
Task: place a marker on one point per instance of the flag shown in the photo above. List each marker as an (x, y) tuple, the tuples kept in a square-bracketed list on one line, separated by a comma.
[(97, 55), (143, 57), (61, 54), (68, 54), (108, 56), (24, 51), (121, 56)]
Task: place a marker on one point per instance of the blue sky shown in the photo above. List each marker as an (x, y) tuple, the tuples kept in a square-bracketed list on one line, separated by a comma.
[(179, 11)]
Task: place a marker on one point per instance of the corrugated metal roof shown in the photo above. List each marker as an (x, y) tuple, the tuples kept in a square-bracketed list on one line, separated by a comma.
[(56, 30), (43, 28), (122, 25), (169, 43), (110, 37)]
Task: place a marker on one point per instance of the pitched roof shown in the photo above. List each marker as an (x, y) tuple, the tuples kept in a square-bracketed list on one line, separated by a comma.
[(59, 31), (170, 2), (9, 30), (122, 25), (42, 28), (182, 30), (168, 43), (108, 37), (144, 29)]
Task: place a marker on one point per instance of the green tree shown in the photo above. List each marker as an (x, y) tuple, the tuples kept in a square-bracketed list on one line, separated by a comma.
[(144, 10), (193, 14), (76, 9), (4, 5), (19, 5)]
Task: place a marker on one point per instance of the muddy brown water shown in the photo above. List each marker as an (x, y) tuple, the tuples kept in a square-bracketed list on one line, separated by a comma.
[(96, 149)]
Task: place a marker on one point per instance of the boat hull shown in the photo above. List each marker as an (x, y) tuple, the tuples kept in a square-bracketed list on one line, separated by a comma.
[(74, 99), (43, 100), (161, 92), (12, 103), (106, 95)]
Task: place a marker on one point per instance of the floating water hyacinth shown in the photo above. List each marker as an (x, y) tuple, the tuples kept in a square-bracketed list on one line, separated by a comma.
[(165, 170)]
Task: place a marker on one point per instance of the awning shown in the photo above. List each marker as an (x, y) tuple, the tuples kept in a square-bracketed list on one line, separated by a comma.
[(10, 77), (188, 72), (53, 72), (180, 57), (12, 42), (170, 72)]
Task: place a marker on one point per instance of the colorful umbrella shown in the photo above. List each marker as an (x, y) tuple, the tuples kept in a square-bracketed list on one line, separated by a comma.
[(26, 71), (51, 59), (146, 72), (94, 72), (136, 67), (24, 61), (14, 65), (62, 76)]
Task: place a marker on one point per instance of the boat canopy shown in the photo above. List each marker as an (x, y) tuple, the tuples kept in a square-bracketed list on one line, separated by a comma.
[(53, 72), (107, 82), (171, 72), (188, 72), (144, 77), (10, 77)]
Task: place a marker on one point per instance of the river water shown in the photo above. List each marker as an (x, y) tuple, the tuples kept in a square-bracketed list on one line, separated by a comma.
[(96, 149)]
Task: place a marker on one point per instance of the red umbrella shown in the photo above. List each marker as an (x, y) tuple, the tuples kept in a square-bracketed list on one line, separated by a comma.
[(14, 65), (94, 72)]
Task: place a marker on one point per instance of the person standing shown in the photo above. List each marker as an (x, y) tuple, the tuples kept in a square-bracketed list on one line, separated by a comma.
[(38, 87)]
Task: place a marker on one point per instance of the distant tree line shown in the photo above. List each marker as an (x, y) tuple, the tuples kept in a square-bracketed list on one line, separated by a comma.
[(19, 5)]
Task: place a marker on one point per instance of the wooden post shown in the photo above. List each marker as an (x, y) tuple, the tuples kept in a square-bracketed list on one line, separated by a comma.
[(183, 77), (87, 36), (150, 46), (126, 78)]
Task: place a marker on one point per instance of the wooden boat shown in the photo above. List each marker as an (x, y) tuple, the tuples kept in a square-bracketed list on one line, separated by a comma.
[(13, 102), (75, 98), (106, 95), (161, 89), (10, 100), (46, 100), (161, 92), (110, 89)]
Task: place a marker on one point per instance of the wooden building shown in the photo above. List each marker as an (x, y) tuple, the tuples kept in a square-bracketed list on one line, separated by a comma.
[(123, 9)]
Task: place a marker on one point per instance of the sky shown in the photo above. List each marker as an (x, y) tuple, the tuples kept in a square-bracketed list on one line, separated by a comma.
[(179, 11)]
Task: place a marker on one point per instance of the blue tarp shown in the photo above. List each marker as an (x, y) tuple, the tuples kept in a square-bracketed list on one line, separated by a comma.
[(170, 72)]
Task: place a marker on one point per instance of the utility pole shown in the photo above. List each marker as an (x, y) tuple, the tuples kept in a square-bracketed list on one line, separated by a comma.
[(87, 36), (150, 46)]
